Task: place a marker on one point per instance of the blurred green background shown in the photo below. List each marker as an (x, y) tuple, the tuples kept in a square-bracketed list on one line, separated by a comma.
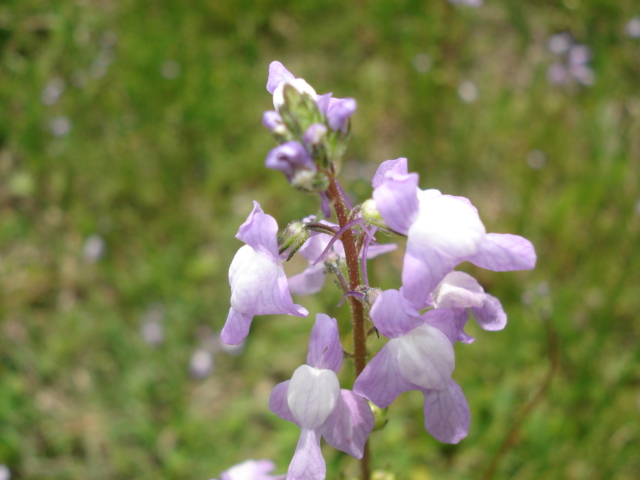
[(131, 146)]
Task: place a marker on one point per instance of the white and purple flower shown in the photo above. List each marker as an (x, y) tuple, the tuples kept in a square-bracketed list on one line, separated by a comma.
[(313, 400), (442, 231), (418, 356), (258, 282), (336, 110)]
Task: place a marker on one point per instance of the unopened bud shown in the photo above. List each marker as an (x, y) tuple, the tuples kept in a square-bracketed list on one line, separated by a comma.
[(285, 91), (310, 181), (379, 417), (371, 214), (292, 159), (292, 238), (315, 134)]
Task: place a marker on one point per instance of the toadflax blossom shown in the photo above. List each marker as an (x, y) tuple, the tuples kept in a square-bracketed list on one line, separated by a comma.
[(336, 110), (313, 400), (251, 470), (418, 356), (311, 280), (442, 231), (257, 279)]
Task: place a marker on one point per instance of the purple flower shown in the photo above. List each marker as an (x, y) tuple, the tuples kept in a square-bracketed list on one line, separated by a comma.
[(311, 280), (459, 291), (442, 231), (573, 62), (257, 279), (292, 159), (336, 110), (273, 122), (251, 470), (419, 356), (279, 76), (313, 400)]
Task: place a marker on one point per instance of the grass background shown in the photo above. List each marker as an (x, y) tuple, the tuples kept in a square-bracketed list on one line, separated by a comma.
[(164, 152)]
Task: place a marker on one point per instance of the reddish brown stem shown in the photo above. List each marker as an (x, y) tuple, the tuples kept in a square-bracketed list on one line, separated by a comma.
[(357, 311)]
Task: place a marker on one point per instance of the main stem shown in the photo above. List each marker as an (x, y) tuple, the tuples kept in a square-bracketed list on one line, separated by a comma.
[(357, 311)]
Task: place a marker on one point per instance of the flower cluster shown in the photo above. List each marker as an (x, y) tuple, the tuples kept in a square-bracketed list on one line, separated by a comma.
[(422, 319), (572, 61)]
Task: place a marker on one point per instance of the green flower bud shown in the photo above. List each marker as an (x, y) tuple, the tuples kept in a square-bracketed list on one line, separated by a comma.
[(379, 417), (371, 214), (292, 238)]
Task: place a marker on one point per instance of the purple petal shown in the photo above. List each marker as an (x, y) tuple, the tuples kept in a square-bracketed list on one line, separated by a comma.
[(325, 205), (307, 462), (375, 250), (444, 319), (315, 134), (325, 349), (277, 74), (503, 252), (307, 282), (290, 158), (446, 413), (393, 315), (490, 316), (422, 270), (388, 169), (278, 402), (339, 111), (348, 427), (323, 102), (451, 322), (557, 74), (260, 231), (397, 201), (271, 120), (236, 328), (381, 381), (317, 243), (459, 290)]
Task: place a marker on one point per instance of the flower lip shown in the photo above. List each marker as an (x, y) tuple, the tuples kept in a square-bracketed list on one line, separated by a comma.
[(312, 395), (425, 357)]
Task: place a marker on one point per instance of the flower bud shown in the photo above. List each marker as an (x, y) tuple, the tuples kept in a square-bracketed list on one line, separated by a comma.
[(298, 109), (379, 416), (292, 159), (371, 214), (310, 182), (284, 90), (292, 238), (339, 111), (315, 134), (314, 140)]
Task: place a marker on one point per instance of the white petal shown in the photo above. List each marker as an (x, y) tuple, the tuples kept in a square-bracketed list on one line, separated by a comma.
[(312, 395), (450, 225), (299, 84), (425, 357), (459, 290), (252, 276)]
